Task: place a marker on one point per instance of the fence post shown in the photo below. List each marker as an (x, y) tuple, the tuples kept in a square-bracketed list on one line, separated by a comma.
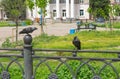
[(28, 62)]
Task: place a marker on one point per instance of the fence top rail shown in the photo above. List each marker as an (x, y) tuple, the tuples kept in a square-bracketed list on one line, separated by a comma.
[(11, 49), (63, 50), (79, 51), (65, 57), (77, 58)]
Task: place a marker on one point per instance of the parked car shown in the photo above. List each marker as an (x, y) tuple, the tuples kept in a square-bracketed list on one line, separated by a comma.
[(100, 19)]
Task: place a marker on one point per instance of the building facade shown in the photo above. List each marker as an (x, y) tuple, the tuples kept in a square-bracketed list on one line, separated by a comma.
[(61, 9), (65, 9)]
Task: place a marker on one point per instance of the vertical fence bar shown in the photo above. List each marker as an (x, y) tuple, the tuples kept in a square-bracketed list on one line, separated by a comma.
[(28, 62)]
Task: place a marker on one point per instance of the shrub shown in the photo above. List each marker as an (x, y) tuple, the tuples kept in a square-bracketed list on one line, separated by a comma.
[(6, 23), (8, 44), (28, 21)]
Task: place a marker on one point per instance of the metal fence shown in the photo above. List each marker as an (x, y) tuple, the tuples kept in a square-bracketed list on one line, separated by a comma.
[(73, 65)]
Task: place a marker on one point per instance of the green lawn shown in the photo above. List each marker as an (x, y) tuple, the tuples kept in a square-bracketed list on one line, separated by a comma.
[(11, 23), (94, 40), (89, 40)]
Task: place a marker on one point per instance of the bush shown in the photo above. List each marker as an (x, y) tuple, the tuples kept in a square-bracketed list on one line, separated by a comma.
[(7, 23), (8, 44), (28, 22)]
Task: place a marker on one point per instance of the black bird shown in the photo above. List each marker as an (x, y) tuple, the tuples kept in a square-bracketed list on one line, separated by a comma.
[(77, 42), (28, 30)]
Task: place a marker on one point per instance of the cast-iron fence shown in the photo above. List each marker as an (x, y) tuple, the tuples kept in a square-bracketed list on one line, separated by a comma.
[(71, 65)]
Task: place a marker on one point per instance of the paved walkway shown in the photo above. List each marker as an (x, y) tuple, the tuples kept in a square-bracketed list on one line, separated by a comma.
[(58, 29)]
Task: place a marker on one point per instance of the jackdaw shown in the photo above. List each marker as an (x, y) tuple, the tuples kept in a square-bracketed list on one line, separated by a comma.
[(28, 30), (76, 42)]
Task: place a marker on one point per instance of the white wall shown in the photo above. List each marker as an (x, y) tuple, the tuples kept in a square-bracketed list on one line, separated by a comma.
[(52, 7)]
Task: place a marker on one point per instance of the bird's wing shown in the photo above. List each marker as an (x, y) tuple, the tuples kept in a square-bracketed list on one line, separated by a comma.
[(23, 31)]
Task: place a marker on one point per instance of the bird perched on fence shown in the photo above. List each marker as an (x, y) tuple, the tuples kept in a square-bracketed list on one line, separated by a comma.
[(76, 42), (28, 30)]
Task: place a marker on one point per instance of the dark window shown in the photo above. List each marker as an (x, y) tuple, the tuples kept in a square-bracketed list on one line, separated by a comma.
[(76, 1), (32, 13), (52, 1), (62, 1), (81, 1), (81, 12), (54, 13), (64, 13)]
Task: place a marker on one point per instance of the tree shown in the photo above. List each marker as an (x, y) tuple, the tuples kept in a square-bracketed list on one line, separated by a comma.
[(14, 10), (40, 4), (116, 10), (99, 8)]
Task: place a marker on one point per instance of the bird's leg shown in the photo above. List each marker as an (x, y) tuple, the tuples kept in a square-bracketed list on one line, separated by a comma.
[(74, 53), (28, 34)]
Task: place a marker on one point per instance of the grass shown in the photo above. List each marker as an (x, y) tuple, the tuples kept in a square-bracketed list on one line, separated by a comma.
[(116, 25), (11, 23), (63, 71), (6, 23), (89, 40), (96, 40)]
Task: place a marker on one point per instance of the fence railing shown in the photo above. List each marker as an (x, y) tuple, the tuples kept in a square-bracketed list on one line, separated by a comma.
[(41, 64)]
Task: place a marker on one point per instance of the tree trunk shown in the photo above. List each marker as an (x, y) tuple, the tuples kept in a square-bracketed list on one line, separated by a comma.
[(111, 26), (42, 21), (42, 31), (16, 32)]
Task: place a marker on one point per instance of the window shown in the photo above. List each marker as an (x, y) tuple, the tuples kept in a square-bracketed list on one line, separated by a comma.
[(117, 0), (54, 13), (64, 13), (52, 1), (76, 1), (81, 12), (32, 13), (81, 1), (62, 1)]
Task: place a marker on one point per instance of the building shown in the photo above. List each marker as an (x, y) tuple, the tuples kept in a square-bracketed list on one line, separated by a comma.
[(62, 9), (65, 9)]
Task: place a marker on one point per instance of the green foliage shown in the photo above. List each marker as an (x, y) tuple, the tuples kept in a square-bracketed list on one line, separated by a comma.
[(116, 25), (28, 22), (8, 44), (11, 23), (82, 71), (39, 3), (6, 23), (99, 8), (115, 10), (89, 40), (14, 9), (85, 72), (99, 24), (30, 4)]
